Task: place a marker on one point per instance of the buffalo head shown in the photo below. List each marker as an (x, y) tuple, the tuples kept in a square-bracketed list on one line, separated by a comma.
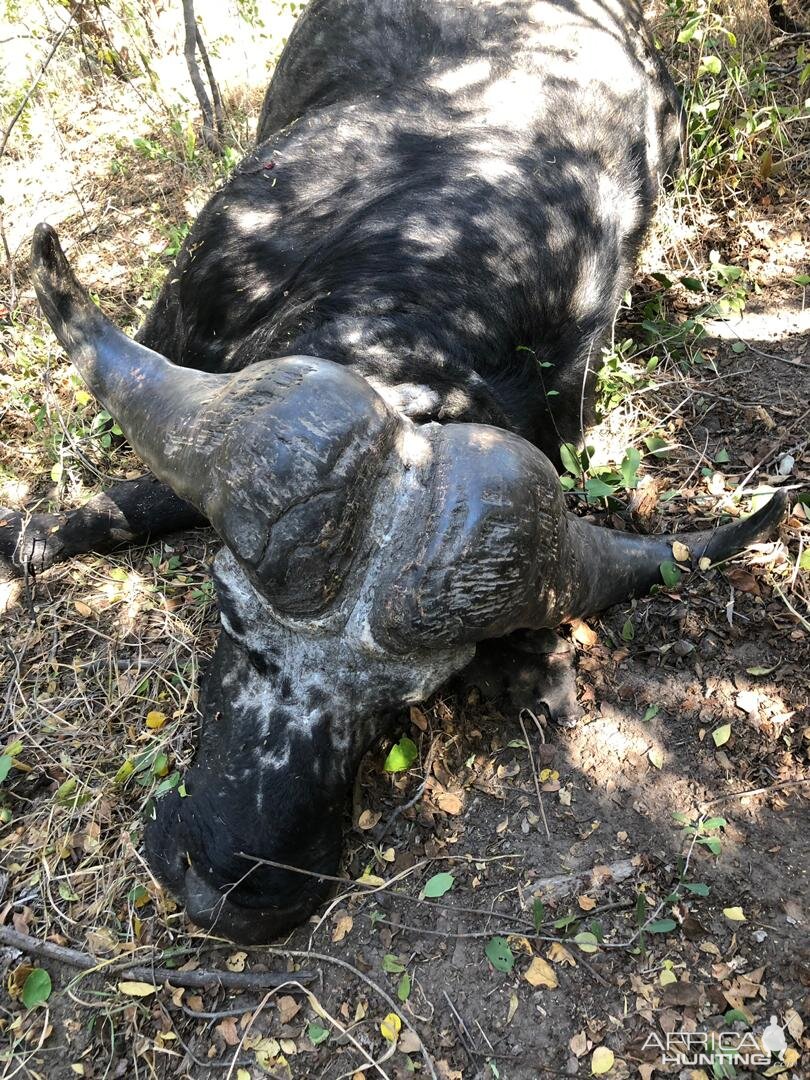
[(364, 556)]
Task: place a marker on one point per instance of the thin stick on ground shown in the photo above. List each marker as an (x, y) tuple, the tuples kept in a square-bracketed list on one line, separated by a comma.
[(534, 766), (12, 280), (200, 979), (750, 792), (394, 1006)]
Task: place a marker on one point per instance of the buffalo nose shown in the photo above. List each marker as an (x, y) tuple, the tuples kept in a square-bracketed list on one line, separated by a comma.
[(214, 911)]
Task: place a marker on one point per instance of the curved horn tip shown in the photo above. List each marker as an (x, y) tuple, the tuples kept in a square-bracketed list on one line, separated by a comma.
[(730, 539), (47, 256), (766, 519)]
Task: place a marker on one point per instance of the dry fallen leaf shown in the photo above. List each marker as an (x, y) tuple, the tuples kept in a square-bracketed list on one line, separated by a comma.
[(794, 1024), (578, 1044), (449, 802), (236, 961), (368, 819), (541, 973), (558, 954), (101, 941), (748, 701), (227, 1029), (734, 914), (16, 980), (680, 552), (288, 1007), (137, 989), (418, 718), (743, 580), (602, 1060), (391, 1027), (155, 720), (408, 1043), (582, 633), (343, 924), (587, 903)]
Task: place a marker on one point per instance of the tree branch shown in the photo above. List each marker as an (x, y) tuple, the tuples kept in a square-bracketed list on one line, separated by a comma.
[(211, 137), (225, 980), (32, 88)]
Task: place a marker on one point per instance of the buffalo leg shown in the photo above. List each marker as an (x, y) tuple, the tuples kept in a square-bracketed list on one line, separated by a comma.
[(129, 512), (530, 669)]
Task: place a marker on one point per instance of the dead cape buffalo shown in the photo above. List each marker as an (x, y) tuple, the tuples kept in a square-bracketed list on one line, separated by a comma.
[(375, 334)]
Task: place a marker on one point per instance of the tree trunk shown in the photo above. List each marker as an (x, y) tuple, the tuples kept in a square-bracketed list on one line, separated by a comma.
[(212, 126)]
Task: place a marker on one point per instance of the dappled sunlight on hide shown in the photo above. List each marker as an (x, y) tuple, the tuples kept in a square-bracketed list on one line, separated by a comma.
[(462, 77), (249, 220), (512, 100)]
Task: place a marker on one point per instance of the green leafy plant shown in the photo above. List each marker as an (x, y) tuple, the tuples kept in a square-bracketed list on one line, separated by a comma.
[(738, 130), (317, 1034), (36, 988), (705, 831), (438, 885), (500, 954), (595, 482), (176, 235), (401, 756)]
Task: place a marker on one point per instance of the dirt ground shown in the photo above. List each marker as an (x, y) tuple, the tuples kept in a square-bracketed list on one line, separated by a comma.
[(640, 877)]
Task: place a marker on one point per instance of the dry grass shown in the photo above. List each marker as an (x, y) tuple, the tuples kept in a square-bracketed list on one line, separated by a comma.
[(88, 651)]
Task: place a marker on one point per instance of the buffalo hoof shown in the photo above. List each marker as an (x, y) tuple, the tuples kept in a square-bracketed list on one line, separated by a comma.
[(530, 669), (28, 544)]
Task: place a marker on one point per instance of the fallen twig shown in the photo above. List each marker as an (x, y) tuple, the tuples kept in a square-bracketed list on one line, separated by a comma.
[(791, 608), (393, 1005), (226, 980), (554, 888), (371, 887), (211, 115), (535, 777), (753, 791)]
